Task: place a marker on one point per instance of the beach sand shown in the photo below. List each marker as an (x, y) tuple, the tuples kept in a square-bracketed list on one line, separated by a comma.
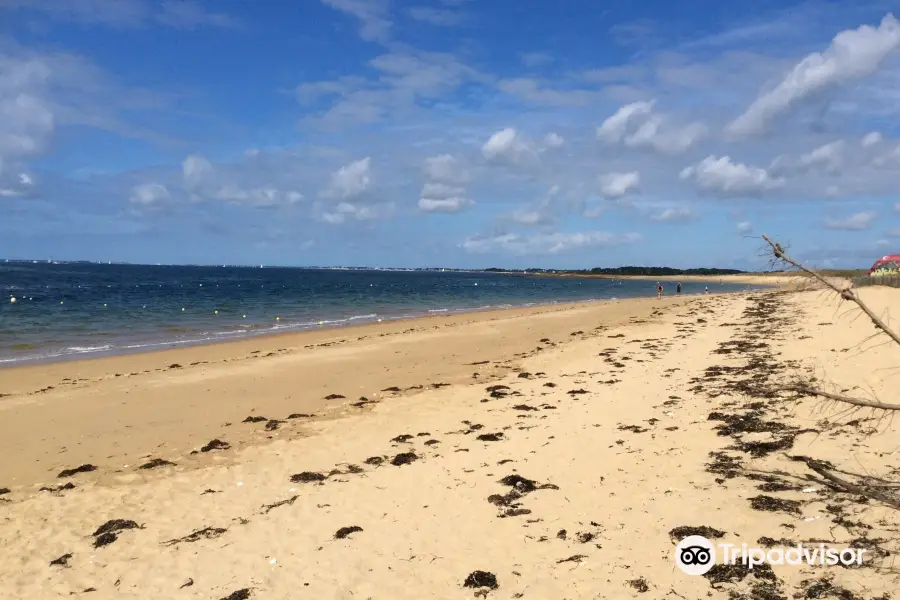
[(560, 468)]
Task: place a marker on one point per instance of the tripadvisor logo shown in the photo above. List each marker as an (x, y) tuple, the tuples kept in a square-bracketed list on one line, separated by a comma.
[(696, 555)]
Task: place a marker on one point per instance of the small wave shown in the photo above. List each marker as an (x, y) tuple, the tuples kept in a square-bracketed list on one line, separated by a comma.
[(438, 310), (82, 349)]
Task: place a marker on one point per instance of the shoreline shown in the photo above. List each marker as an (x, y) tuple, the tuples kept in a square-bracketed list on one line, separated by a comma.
[(425, 351), (150, 347)]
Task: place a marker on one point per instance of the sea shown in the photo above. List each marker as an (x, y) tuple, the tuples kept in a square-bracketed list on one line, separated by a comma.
[(51, 312)]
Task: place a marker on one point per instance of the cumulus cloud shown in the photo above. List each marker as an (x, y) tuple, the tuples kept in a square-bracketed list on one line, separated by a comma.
[(350, 181), (445, 186), (855, 222), (829, 156), (203, 182), (639, 126), (617, 185), (674, 215), (870, 139), (545, 243), (852, 55), (728, 179), (150, 196), (553, 140), (614, 128), (508, 145), (744, 227)]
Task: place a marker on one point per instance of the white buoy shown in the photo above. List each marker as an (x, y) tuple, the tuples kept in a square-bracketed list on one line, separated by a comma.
[(12, 300), (182, 309), (217, 312)]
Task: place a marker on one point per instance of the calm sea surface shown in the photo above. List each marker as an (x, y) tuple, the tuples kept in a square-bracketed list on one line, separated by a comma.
[(64, 311)]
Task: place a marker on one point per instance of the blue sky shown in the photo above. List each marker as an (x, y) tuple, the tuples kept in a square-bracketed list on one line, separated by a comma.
[(448, 132)]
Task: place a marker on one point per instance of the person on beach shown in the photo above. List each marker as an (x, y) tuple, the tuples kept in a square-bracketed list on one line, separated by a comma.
[(678, 289), (707, 290), (658, 290)]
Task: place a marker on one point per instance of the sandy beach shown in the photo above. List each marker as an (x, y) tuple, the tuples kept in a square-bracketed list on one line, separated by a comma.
[(548, 453)]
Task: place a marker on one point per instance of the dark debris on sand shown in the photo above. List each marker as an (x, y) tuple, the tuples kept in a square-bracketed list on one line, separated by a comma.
[(771, 504), (308, 477), (254, 419), (207, 533), (683, 531), (58, 489), (242, 594), (157, 462), (87, 468), (481, 579), (639, 584), (521, 486), (116, 525), (490, 437), (343, 532), (62, 561), (404, 458), (215, 445), (287, 502)]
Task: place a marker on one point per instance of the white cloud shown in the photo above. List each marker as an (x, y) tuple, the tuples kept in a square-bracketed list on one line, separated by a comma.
[(674, 215), (617, 185), (615, 127), (444, 190), (196, 171), (350, 181), (348, 211), (545, 243), (855, 222), (870, 139), (641, 127), (553, 140), (725, 178), (531, 217), (204, 183), (150, 196), (852, 55), (657, 134), (829, 156), (508, 144), (744, 227)]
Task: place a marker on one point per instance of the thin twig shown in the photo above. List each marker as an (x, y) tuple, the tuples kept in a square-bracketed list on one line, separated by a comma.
[(840, 397)]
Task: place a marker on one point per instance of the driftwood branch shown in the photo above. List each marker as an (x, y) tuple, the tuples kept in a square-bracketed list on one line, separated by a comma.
[(852, 488), (809, 391), (846, 293)]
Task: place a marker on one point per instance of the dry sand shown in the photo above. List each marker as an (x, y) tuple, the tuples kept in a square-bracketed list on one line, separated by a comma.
[(612, 413)]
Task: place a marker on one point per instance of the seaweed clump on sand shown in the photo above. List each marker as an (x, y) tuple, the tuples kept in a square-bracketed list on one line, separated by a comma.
[(481, 579), (344, 532), (521, 487), (87, 468)]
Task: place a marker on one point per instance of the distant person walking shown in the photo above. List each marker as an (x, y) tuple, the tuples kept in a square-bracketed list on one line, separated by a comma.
[(659, 290), (707, 290), (678, 289)]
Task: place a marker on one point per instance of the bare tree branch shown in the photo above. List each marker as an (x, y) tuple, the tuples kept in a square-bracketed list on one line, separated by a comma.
[(844, 293), (803, 389)]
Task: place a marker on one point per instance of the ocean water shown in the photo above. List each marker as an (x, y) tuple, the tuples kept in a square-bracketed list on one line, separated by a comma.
[(74, 310)]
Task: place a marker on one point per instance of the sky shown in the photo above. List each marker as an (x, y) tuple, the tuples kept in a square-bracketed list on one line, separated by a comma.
[(463, 133)]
